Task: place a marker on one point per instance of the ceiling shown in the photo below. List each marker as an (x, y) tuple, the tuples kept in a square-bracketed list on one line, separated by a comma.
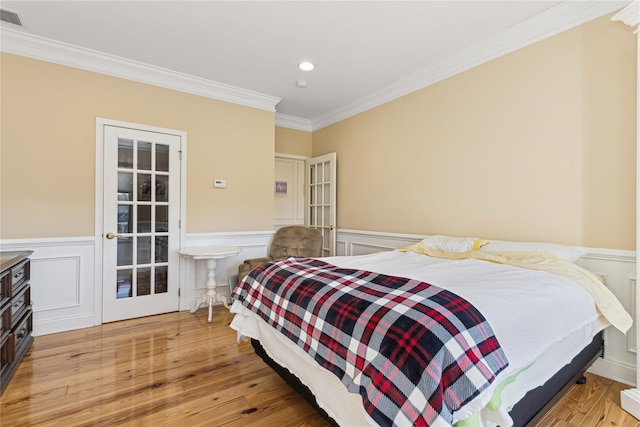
[(365, 52)]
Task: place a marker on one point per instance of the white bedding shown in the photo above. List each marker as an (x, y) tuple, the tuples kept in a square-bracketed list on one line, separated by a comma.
[(512, 299)]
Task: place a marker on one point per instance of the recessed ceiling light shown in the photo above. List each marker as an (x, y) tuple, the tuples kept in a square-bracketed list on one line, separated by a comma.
[(306, 66)]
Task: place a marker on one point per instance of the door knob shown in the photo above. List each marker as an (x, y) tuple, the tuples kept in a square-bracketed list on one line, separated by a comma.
[(111, 235)]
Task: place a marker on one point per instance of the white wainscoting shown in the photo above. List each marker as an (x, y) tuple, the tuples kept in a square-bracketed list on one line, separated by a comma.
[(619, 271), (66, 296), (617, 266), (193, 274), (65, 281), (357, 242), (62, 282)]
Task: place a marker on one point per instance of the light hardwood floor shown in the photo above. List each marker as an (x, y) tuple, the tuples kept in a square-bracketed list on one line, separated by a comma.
[(178, 370)]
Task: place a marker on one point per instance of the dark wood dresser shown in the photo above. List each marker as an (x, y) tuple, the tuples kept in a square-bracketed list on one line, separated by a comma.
[(16, 320)]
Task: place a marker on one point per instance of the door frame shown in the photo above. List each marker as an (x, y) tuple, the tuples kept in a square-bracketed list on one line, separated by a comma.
[(99, 202), (331, 158)]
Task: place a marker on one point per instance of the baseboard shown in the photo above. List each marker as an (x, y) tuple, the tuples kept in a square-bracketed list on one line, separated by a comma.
[(619, 372), (53, 326), (630, 401)]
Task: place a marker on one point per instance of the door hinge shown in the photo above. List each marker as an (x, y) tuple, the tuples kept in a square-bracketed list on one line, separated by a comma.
[(180, 154), (179, 223), (178, 291)]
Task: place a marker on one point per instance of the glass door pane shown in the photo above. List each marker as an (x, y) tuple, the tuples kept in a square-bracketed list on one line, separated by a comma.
[(143, 218)]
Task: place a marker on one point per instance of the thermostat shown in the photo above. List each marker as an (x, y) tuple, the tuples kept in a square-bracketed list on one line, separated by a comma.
[(220, 183)]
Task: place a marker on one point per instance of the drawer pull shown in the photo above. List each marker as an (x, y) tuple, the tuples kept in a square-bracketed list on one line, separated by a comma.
[(18, 303), (21, 333)]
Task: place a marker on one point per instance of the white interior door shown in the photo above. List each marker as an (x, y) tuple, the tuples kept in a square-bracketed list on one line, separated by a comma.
[(289, 205), (140, 223), (320, 180)]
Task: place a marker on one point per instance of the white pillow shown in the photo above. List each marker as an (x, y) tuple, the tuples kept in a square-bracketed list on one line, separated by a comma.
[(568, 253), (449, 244)]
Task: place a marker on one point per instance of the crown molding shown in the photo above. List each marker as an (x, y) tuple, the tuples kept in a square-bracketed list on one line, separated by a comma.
[(562, 17), (566, 15), (293, 122), (630, 15), (41, 48)]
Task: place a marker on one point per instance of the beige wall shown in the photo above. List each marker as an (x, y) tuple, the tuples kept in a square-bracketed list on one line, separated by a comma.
[(538, 144), (535, 145), (292, 141), (47, 177)]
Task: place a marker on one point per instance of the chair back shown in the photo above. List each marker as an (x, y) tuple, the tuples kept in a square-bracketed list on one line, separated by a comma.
[(297, 241)]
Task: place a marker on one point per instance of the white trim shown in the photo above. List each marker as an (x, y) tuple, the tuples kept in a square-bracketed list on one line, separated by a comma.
[(630, 15), (183, 208), (619, 255), (616, 371), (630, 401), (31, 46), (63, 324), (48, 242), (290, 156), (293, 122), (562, 17), (223, 235), (77, 261), (632, 340), (394, 236)]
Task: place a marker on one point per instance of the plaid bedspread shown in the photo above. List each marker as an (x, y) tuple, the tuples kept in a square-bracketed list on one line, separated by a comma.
[(416, 353)]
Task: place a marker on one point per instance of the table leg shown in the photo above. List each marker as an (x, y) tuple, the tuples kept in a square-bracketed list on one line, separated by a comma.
[(211, 296)]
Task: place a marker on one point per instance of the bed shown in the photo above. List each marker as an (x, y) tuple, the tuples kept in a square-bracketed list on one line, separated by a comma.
[(449, 331)]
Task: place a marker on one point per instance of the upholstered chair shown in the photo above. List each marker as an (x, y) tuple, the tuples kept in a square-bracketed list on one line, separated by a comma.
[(294, 240)]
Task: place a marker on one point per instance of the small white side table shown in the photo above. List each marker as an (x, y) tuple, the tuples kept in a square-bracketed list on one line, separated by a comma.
[(211, 254)]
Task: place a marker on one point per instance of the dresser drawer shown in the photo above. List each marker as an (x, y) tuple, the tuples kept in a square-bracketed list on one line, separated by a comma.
[(16, 316), (7, 352), (5, 287), (20, 304), (21, 334), (19, 274), (5, 321)]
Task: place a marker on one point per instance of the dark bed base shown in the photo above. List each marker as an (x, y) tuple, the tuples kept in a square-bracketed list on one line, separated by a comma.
[(535, 404), (526, 412)]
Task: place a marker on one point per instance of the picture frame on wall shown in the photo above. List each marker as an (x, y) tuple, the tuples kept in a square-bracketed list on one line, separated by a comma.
[(281, 188)]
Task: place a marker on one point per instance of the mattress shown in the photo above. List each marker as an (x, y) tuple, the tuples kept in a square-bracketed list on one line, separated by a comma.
[(542, 321)]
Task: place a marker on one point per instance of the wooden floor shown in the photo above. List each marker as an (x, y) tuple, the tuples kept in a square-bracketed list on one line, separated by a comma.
[(178, 370)]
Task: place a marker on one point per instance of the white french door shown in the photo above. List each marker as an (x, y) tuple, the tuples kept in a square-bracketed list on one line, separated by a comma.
[(140, 223), (320, 177)]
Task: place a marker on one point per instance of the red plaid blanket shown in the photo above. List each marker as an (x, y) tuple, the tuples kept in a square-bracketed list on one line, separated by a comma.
[(416, 353)]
